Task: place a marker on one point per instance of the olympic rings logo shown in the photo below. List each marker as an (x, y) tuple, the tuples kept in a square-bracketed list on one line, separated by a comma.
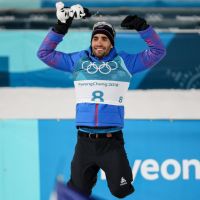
[(104, 68)]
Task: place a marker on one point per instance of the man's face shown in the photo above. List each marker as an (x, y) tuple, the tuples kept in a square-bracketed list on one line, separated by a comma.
[(101, 45)]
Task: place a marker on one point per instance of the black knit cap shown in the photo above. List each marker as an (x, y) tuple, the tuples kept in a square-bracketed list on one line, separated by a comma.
[(104, 28)]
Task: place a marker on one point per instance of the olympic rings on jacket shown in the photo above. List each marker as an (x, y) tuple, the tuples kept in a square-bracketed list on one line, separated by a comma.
[(104, 68)]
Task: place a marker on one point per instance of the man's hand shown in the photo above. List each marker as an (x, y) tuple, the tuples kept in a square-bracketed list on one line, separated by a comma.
[(66, 15), (134, 22)]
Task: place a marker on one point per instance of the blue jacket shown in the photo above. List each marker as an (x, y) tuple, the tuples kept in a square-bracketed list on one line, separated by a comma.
[(101, 85)]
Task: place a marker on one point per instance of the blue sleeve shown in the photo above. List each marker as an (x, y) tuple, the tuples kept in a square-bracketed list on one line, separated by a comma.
[(57, 59), (147, 58)]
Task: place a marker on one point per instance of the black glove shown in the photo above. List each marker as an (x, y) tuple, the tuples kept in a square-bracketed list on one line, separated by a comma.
[(134, 22), (65, 16), (62, 28)]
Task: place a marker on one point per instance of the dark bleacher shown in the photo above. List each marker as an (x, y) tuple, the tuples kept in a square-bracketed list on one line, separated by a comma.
[(163, 18)]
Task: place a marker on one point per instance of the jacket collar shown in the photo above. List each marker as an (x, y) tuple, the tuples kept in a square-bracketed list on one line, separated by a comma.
[(112, 54)]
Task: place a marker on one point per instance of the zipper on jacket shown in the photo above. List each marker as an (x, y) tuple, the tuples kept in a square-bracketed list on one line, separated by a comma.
[(96, 114)]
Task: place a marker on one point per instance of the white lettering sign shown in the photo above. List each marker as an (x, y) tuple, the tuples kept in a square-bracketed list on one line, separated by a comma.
[(169, 169)]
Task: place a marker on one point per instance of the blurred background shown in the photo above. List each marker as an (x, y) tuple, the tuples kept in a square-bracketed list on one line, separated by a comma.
[(37, 103)]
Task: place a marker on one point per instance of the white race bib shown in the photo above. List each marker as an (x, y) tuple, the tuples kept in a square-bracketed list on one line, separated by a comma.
[(101, 91)]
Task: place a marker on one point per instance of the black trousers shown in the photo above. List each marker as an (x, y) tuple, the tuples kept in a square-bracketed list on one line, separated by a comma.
[(105, 153)]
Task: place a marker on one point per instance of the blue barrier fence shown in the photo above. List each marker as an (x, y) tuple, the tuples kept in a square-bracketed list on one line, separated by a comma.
[(164, 156)]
